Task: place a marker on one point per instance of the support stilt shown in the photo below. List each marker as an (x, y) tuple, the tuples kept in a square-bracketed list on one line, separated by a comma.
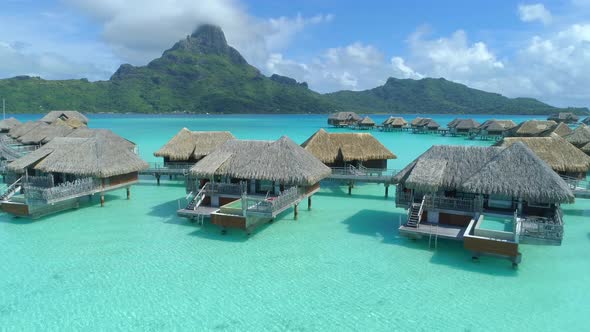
[(296, 211), (101, 199), (158, 179), (128, 193), (350, 189), (170, 177), (386, 191), (309, 202)]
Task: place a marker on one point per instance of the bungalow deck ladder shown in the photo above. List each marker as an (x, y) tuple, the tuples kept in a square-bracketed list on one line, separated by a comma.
[(11, 190), (198, 199), (433, 237), (415, 213)]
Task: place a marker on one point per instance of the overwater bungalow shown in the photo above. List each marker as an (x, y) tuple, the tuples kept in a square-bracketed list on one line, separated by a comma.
[(44, 133), (7, 124), (462, 126), (58, 175), (564, 117), (562, 130), (394, 123), (563, 157), (244, 183), (365, 124), (532, 128), (342, 150), (424, 125), (493, 129), (74, 118), (491, 198), (343, 119), (580, 137), (187, 147), (586, 121)]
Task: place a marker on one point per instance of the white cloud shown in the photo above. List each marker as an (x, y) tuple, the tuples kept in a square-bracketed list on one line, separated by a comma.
[(139, 30), (534, 12)]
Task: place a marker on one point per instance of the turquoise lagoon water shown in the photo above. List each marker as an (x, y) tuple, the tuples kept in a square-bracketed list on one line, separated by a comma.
[(134, 265)]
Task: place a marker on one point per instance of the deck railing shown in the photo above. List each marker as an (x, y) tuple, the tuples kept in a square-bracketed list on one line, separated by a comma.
[(363, 171), (43, 195), (218, 188), (159, 165), (545, 228), (259, 205), (403, 199)]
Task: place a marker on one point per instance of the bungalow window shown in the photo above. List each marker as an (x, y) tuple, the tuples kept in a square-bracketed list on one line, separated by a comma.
[(265, 186), (499, 201)]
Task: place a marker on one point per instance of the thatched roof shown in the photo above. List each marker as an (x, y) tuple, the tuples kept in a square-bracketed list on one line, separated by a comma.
[(580, 136), (330, 147), (8, 124), (96, 156), (463, 124), (395, 121), (564, 117), (514, 171), (43, 133), (533, 128), (85, 132), (196, 144), (562, 130), (419, 122), (367, 121), (24, 128), (281, 161), (64, 115), (558, 153), (431, 124), (342, 116), (586, 149)]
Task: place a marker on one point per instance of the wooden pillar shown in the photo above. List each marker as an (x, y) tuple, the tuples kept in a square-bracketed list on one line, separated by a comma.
[(386, 190), (350, 188), (296, 211), (309, 202), (128, 193), (158, 179), (170, 177), (101, 199)]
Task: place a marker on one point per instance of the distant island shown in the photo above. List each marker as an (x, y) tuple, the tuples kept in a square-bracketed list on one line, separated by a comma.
[(203, 74)]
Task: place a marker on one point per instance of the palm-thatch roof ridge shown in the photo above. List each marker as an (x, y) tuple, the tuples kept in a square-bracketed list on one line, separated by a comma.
[(580, 136), (46, 132), (281, 161), (558, 153), (514, 171), (85, 132), (24, 128), (8, 124), (64, 115), (330, 147), (188, 144), (98, 156)]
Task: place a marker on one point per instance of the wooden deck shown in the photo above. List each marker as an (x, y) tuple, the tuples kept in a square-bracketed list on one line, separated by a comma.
[(200, 211), (426, 229)]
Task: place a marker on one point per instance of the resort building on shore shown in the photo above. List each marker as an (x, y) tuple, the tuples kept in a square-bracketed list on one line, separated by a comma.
[(394, 124), (491, 198), (563, 157), (187, 147), (57, 175), (493, 129), (564, 117), (343, 119), (343, 150), (244, 183), (462, 126), (532, 128)]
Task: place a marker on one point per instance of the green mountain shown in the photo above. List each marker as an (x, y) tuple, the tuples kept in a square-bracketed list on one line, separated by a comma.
[(199, 74), (203, 74), (437, 96)]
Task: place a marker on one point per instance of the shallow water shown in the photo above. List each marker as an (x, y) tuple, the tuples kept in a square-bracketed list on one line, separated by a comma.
[(134, 265)]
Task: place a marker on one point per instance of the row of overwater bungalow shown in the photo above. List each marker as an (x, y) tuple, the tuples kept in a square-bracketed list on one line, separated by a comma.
[(50, 165), (490, 198)]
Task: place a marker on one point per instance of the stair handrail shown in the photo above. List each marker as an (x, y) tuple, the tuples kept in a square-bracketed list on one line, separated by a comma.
[(421, 210), (10, 188), (198, 197)]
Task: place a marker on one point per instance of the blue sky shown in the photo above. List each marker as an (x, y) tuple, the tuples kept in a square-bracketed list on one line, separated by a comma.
[(534, 49)]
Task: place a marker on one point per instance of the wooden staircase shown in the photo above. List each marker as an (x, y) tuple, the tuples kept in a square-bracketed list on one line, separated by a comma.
[(11, 190), (415, 214)]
